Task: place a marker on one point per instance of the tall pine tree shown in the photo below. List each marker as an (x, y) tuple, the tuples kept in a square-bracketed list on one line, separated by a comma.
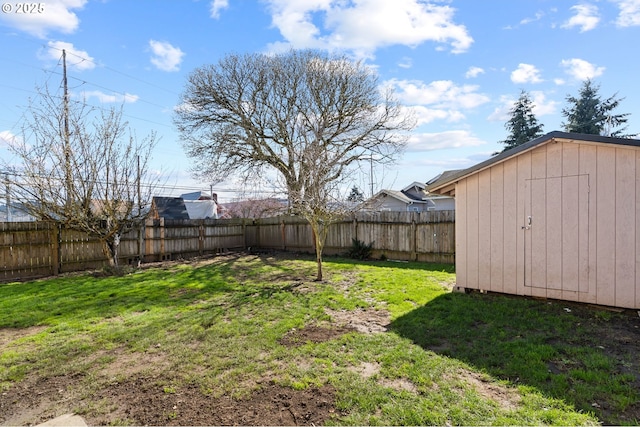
[(523, 125), (590, 114)]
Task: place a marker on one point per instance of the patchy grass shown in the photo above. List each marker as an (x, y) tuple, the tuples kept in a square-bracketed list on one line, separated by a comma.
[(238, 328)]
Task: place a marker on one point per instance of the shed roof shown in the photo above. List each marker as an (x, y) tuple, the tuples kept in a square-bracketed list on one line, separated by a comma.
[(446, 184)]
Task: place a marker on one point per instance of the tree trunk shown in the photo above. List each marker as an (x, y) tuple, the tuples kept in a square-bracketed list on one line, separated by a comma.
[(110, 250), (318, 240)]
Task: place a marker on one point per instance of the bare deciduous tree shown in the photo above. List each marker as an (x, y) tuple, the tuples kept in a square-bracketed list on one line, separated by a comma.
[(307, 115), (81, 167)]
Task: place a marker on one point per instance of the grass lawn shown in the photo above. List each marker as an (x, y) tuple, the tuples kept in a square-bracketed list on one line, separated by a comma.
[(252, 339)]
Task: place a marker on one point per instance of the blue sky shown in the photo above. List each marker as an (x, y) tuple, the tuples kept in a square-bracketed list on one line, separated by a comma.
[(458, 64)]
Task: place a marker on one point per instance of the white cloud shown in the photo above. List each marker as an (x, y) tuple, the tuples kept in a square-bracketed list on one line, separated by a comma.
[(581, 69), (165, 56), (108, 99), (424, 115), (629, 13), (473, 72), (541, 106), (442, 94), (406, 62), (9, 139), (217, 6), (538, 16), (422, 142), (586, 17), (77, 59), (526, 73), (57, 15), (366, 25)]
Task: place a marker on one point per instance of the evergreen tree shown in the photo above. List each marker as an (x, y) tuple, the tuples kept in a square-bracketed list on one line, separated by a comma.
[(523, 125), (589, 114), (356, 195)]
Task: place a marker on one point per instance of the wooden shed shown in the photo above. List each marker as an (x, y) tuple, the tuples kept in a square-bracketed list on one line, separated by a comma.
[(557, 217)]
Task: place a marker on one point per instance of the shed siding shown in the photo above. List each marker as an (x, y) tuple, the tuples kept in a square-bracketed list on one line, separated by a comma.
[(484, 222), (473, 229), (584, 240), (588, 166), (625, 227), (606, 226), (462, 255), (637, 266), (496, 239), (509, 224)]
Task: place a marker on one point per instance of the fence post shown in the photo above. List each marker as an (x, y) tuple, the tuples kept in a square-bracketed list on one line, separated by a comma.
[(161, 223), (355, 228), (56, 255), (284, 237), (141, 244), (414, 239)]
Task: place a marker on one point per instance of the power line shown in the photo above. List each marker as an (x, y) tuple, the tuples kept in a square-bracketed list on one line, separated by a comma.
[(84, 81)]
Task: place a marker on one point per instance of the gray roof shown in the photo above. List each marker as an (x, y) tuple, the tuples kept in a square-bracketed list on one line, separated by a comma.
[(403, 197), (171, 207), (443, 181)]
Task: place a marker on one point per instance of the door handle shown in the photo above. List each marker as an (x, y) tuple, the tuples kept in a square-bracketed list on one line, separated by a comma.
[(528, 226)]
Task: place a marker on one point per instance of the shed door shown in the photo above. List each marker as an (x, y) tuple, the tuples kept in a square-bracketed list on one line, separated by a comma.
[(556, 227)]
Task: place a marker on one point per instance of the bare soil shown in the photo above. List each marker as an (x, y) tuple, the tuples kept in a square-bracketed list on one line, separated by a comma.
[(141, 399)]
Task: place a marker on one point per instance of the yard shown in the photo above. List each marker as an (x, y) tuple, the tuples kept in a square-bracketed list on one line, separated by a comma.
[(252, 339)]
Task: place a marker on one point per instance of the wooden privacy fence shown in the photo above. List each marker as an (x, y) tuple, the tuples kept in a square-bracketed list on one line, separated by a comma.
[(37, 249), (411, 236)]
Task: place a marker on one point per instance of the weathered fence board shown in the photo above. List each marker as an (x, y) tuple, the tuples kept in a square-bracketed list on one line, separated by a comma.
[(34, 249)]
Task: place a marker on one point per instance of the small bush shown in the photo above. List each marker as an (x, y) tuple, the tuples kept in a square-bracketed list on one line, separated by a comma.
[(114, 270), (360, 250)]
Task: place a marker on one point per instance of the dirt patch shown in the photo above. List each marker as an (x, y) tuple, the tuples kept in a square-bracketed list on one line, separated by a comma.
[(143, 402), (37, 399), (367, 321), (507, 398), (369, 369), (312, 333), (8, 335)]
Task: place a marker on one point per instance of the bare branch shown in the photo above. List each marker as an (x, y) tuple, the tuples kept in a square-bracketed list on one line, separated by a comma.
[(309, 116), (88, 181)]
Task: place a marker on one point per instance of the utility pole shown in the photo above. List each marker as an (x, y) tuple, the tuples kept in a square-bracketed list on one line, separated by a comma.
[(67, 145), (8, 195), (139, 188), (141, 229), (371, 172)]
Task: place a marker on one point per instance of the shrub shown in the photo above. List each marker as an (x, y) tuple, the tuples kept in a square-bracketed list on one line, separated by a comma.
[(360, 250)]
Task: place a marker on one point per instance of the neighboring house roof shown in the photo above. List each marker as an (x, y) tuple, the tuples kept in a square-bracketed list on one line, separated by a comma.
[(446, 184), (414, 184), (403, 197), (170, 207), (98, 207), (256, 208), (196, 195), (407, 198)]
